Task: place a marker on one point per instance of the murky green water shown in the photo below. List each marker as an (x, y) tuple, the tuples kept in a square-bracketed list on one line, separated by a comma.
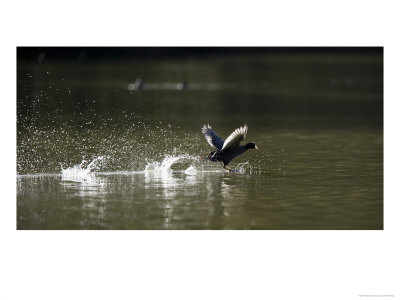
[(317, 119)]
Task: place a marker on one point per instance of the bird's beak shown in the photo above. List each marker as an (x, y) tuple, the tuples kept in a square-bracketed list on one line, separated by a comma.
[(256, 147)]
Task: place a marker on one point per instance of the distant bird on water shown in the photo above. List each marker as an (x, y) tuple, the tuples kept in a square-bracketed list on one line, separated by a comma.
[(228, 149)]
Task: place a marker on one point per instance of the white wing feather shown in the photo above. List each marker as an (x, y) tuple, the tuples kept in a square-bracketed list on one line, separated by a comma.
[(235, 137), (211, 137)]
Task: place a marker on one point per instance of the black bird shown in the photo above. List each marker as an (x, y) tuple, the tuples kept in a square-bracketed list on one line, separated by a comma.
[(228, 149)]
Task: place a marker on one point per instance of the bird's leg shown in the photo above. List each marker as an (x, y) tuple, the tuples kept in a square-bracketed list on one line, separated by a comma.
[(226, 168)]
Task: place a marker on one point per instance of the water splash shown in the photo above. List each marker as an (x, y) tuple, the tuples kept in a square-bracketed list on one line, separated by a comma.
[(171, 160), (165, 165), (82, 172), (127, 138), (241, 167), (191, 171)]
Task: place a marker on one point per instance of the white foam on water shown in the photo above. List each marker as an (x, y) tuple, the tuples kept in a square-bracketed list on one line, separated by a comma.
[(80, 173), (191, 171), (165, 165), (84, 172)]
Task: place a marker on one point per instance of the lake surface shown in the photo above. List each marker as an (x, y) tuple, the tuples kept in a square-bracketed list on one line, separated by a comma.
[(94, 151)]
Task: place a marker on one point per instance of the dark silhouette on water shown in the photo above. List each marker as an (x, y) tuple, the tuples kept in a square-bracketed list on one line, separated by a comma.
[(228, 149), (182, 85), (138, 84)]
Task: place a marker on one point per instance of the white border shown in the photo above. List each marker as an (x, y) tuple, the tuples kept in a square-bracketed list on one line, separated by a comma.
[(199, 264)]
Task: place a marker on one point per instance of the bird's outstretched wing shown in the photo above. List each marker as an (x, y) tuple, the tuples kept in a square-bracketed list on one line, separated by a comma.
[(235, 138), (212, 138)]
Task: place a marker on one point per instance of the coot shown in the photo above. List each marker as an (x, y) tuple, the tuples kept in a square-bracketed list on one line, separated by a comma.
[(228, 149)]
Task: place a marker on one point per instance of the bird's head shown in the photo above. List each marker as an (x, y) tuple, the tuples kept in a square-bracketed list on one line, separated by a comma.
[(251, 146)]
